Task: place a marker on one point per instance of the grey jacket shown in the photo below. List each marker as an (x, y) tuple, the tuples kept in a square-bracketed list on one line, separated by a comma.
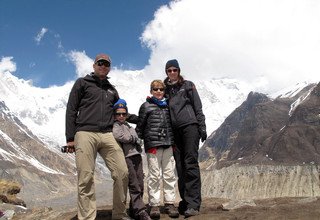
[(127, 137)]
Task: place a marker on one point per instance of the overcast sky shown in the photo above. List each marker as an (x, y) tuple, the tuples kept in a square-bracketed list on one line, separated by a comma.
[(270, 43)]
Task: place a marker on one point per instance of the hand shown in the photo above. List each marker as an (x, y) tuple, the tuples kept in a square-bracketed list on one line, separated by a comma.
[(203, 135), (139, 144), (70, 147), (139, 148), (139, 141)]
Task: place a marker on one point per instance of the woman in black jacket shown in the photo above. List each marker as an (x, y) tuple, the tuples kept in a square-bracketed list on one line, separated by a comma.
[(154, 127), (188, 123)]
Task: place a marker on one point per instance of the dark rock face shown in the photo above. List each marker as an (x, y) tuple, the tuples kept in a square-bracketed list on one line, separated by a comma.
[(265, 131), (299, 140)]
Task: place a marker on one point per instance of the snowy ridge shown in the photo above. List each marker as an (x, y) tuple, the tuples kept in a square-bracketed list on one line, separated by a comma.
[(21, 155), (298, 101), (290, 91), (43, 109)]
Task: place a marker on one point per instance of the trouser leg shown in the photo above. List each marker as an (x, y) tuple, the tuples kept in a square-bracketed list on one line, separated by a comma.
[(154, 178), (136, 193), (114, 158), (178, 157), (190, 181), (86, 152), (169, 178)]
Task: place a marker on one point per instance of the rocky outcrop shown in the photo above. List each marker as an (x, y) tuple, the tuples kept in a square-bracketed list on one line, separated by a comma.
[(10, 204), (9, 191)]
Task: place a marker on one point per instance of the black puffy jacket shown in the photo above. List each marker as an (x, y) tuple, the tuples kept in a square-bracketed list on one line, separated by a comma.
[(154, 125)]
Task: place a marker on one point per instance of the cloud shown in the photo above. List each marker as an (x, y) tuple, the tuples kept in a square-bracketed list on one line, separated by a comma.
[(40, 35), (273, 42), (7, 65), (82, 62)]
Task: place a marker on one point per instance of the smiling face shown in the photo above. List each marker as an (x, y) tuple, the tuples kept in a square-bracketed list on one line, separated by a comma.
[(101, 68), (157, 89), (173, 73), (121, 115)]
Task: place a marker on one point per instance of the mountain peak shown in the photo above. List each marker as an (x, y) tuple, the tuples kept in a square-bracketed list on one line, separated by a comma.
[(261, 131)]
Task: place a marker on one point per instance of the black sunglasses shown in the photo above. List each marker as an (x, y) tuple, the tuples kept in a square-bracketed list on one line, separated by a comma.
[(158, 89), (103, 63), (121, 114), (172, 70)]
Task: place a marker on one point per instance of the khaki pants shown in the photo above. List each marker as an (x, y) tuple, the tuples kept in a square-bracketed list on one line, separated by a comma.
[(87, 145), (161, 166)]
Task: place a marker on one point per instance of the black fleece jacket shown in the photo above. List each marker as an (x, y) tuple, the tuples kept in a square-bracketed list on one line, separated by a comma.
[(184, 104), (90, 106)]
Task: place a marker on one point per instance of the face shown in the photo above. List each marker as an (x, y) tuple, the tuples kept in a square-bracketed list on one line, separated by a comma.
[(157, 92), (173, 74), (121, 115), (101, 68)]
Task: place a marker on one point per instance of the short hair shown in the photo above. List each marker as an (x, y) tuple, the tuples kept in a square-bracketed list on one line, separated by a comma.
[(156, 83)]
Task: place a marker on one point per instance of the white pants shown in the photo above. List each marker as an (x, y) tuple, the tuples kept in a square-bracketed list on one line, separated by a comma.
[(161, 165)]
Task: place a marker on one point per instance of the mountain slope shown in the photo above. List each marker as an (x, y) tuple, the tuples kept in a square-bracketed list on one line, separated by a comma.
[(263, 130), (27, 160), (266, 148), (299, 140)]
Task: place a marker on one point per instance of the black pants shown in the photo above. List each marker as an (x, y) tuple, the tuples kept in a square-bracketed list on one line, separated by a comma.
[(136, 186), (186, 157)]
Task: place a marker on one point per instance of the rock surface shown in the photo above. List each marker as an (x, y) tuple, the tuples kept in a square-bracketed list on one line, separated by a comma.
[(297, 208), (259, 182)]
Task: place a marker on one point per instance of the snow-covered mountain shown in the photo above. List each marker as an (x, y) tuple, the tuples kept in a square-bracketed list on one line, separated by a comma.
[(39, 113), (42, 110)]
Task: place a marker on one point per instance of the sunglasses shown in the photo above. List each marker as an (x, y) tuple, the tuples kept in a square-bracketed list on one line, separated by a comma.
[(158, 89), (172, 70), (121, 114), (103, 63)]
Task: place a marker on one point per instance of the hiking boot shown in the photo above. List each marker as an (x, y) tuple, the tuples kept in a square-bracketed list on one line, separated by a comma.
[(191, 212), (182, 207), (155, 212), (131, 213), (171, 210), (144, 216)]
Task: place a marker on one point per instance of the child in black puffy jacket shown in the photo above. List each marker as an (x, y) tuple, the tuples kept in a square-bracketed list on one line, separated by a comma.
[(154, 126)]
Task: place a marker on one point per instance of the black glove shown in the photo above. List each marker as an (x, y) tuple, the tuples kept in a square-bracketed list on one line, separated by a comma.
[(139, 143), (203, 135)]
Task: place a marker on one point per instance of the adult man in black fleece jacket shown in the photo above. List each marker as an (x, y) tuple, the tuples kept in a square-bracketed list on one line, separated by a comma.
[(89, 122), (188, 123)]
